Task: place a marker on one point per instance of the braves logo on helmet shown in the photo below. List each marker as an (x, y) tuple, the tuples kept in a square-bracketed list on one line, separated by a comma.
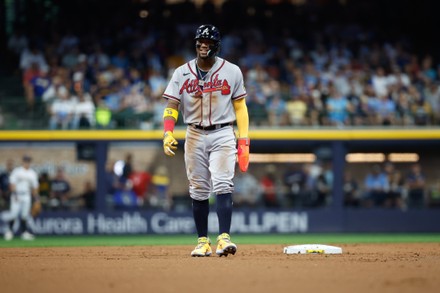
[(209, 32)]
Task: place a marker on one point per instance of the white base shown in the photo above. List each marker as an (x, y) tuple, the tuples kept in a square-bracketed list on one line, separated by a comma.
[(312, 249)]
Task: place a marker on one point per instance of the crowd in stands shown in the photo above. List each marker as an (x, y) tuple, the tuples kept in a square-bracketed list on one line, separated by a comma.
[(132, 189), (342, 76), (308, 185)]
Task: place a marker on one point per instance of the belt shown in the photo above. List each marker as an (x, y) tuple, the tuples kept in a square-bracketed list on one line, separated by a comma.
[(211, 127)]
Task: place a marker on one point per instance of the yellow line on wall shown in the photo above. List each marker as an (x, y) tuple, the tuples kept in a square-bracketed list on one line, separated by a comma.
[(265, 134)]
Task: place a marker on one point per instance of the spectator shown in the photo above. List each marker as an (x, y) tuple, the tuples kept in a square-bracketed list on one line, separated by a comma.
[(432, 96), (70, 58), (86, 199), (83, 109), (270, 188), (380, 82), (125, 198), (60, 191), (44, 189), (323, 183), (256, 106), (376, 187), (160, 196), (247, 190), (297, 110), (351, 189), (98, 59), (416, 183), (295, 179), (127, 168), (385, 111), (403, 110), (397, 192), (141, 181), (61, 112), (420, 109), (30, 74), (157, 83), (56, 90), (276, 109), (112, 182), (35, 88), (120, 60), (133, 108), (32, 55)]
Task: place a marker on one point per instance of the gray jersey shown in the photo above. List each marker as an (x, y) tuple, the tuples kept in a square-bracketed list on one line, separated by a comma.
[(208, 101)]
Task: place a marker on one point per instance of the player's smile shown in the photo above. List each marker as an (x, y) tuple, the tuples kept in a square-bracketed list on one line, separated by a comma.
[(203, 46)]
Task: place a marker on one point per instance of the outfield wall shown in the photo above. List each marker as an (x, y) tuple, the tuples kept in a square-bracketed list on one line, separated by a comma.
[(86, 153), (243, 222)]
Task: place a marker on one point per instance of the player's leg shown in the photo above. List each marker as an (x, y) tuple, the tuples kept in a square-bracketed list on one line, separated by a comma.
[(222, 167), (196, 161), (25, 215)]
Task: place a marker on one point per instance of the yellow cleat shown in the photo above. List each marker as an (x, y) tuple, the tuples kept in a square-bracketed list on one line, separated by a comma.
[(203, 247), (225, 246)]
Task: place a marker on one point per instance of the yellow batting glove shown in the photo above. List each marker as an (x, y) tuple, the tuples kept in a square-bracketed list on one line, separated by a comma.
[(169, 144)]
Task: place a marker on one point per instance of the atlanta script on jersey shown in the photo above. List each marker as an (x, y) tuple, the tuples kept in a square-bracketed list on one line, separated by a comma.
[(207, 101)]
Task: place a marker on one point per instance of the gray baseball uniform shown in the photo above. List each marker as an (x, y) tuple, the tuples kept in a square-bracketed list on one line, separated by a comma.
[(206, 106)]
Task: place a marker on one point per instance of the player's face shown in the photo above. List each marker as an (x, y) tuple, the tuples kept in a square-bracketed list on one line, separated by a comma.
[(203, 46)]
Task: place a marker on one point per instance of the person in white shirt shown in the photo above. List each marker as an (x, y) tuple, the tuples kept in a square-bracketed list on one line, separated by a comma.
[(23, 183), (30, 55), (83, 109), (61, 112)]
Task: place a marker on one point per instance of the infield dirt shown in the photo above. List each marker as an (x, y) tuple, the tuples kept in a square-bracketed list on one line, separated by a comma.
[(255, 268)]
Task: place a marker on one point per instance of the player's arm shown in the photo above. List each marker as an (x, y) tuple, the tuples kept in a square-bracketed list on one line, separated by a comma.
[(170, 116), (241, 113), (242, 117)]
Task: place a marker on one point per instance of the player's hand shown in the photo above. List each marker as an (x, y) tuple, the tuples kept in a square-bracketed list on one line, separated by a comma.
[(169, 144), (243, 153)]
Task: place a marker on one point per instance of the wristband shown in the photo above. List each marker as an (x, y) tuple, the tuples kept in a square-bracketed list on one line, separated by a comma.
[(168, 125), (170, 112)]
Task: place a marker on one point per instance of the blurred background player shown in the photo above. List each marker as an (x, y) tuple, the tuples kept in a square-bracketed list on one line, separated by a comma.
[(23, 184)]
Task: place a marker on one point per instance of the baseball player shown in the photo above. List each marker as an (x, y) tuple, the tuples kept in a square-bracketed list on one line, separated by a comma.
[(23, 183), (209, 92)]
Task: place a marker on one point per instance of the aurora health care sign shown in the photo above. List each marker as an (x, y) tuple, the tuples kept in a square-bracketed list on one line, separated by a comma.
[(166, 223)]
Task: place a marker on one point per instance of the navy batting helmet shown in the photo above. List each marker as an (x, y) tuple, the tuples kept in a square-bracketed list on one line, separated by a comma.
[(209, 32)]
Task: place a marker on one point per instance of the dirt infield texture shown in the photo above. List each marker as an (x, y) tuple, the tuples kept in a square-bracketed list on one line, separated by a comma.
[(255, 268)]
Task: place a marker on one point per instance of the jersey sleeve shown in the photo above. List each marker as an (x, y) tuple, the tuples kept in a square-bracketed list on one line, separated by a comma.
[(239, 91), (172, 89)]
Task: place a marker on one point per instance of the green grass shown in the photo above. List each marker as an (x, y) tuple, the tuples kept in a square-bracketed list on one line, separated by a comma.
[(284, 239)]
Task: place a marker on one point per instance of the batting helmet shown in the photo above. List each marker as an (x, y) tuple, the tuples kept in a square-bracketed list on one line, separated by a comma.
[(209, 32)]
